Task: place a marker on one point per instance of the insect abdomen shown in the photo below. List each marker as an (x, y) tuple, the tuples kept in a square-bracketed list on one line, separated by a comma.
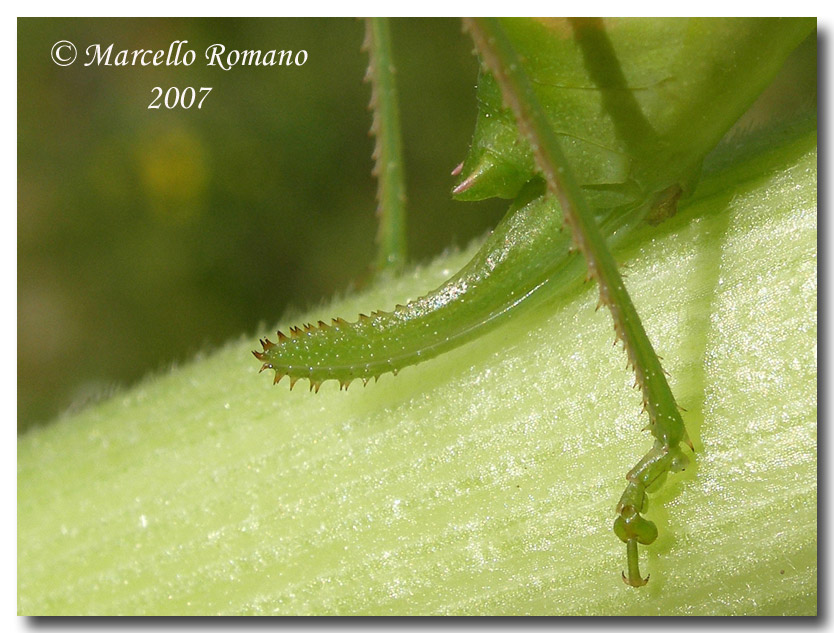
[(525, 256)]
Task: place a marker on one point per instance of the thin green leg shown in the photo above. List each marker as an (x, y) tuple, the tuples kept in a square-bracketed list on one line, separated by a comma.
[(666, 424), (388, 160)]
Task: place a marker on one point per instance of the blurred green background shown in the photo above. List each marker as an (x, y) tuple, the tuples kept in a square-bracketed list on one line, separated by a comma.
[(148, 236)]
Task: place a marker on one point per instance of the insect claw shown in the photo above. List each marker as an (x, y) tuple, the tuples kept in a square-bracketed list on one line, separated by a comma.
[(292, 382), (634, 579), (636, 583), (278, 377), (282, 337), (259, 355)]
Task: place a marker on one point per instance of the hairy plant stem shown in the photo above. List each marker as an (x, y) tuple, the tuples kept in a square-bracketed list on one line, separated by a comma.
[(666, 425)]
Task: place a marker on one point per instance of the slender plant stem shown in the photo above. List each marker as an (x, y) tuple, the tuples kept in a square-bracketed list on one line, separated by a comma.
[(666, 425), (388, 160)]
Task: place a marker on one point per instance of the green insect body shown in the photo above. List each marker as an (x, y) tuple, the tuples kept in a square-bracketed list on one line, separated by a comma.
[(604, 124), (636, 103), (526, 252)]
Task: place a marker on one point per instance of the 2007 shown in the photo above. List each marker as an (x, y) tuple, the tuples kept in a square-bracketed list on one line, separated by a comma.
[(174, 98)]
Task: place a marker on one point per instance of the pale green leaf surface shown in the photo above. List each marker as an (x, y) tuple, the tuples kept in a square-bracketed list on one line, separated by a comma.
[(483, 481)]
